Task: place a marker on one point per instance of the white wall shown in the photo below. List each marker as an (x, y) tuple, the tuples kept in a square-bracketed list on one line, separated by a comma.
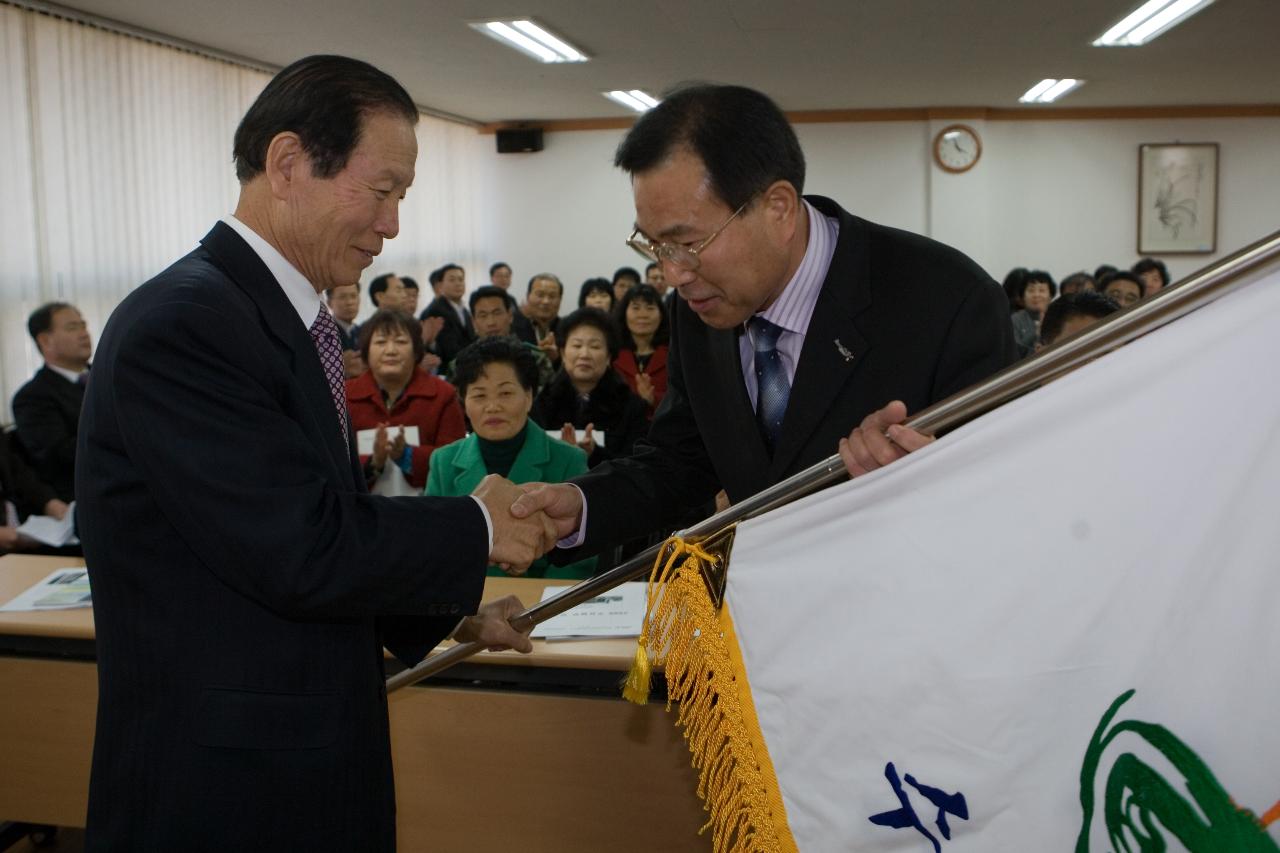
[(1059, 195)]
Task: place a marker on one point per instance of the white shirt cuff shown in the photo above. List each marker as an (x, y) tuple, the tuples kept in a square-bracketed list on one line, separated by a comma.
[(488, 521), (574, 539)]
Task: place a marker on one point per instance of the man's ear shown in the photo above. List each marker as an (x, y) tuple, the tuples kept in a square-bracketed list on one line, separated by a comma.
[(285, 163), (782, 208)]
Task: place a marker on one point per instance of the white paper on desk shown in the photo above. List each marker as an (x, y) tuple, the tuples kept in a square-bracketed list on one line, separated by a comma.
[(48, 530), (580, 435), (364, 438), (65, 589), (616, 613)]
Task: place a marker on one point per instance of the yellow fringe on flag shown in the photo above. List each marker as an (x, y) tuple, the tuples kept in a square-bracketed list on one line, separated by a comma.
[(697, 647)]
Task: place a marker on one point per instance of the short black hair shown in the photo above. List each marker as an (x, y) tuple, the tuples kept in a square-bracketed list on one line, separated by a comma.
[(471, 361), (409, 284), (323, 99), (41, 319), (1149, 264), (653, 265), (1101, 272), (595, 285), (1119, 275), (593, 317), (1032, 277), (437, 275), (742, 137), (549, 277), (499, 265), (1078, 281), (1013, 287), (627, 272), (379, 286), (489, 291), (392, 319), (1085, 303), (641, 293)]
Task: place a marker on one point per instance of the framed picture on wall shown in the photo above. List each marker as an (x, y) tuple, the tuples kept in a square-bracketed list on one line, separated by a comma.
[(1178, 199)]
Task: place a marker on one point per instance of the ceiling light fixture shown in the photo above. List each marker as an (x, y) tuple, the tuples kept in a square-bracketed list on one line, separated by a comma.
[(1049, 90), (532, 39), (636, 99), (1148, 21)]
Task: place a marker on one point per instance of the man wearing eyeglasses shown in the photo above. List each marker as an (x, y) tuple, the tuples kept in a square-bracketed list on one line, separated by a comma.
[(797, 322)]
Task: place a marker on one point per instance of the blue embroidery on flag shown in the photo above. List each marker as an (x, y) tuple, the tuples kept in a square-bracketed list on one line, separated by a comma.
[(906, 817)]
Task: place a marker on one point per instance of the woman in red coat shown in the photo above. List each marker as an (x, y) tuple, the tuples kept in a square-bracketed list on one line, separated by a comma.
[(642, 326), (395, 391)]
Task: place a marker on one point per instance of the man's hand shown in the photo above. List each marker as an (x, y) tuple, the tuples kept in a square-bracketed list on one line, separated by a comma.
[(880, 439), (561, 503), (490, 627), (517, 540), (430, 328), (56, 509), (430, 361), (548, 345), (12, 540)]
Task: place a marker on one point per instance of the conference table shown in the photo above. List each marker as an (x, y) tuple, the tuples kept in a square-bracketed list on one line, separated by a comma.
[(504, 751)]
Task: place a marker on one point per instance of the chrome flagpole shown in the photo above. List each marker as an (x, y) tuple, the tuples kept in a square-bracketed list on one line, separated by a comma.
[(1113, 332)]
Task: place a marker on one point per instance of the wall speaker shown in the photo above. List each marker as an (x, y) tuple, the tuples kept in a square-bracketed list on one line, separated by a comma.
[(519, 141)]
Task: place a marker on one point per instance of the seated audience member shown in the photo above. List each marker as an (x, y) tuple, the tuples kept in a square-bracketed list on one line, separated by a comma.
[(1101, 272), (587, 394), (1124, 287), (495, 378), (1013, 288), (344, 305), (395, 391), (500, 275), (447, 310), (655, 277), (642, 358), (47, 408), (411, 294), (387, 291), (1153, 274), (624, 278), (22, 495), (1078, 282), (597, 293), (1036, 291), (1072, 312), (541, 312), (494, 310)]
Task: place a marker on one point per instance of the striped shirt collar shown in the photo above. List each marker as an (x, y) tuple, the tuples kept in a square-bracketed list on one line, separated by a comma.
[(302, 296), (794, 307)]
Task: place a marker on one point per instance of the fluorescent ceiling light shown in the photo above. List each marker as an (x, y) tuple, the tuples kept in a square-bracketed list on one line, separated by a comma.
[(635, 99), (1049, 90), (1148, 21), (531, 38)]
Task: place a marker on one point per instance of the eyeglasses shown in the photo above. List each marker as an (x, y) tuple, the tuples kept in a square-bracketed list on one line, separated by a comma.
[(677, 254)]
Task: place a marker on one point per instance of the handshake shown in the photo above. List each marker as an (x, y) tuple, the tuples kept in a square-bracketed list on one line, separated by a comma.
[(527, 519)]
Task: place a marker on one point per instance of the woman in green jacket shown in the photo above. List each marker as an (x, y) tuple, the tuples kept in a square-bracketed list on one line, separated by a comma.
[(496, 379)]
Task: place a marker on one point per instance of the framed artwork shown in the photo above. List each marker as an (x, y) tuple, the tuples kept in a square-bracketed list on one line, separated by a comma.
[(1178, 199)]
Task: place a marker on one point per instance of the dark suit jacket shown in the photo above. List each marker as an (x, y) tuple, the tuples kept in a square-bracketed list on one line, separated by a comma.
[(19, 484), (920, 322), (47, 413), (454, 336), (243, 582)]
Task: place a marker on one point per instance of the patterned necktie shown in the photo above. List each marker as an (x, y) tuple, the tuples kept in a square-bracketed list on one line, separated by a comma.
[(324, 334), (772, 386)]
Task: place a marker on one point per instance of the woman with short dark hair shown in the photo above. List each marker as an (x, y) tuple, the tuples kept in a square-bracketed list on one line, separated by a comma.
[(395, 391)]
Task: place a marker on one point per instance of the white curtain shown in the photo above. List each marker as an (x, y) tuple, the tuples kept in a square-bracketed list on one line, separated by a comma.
[(115, 158)]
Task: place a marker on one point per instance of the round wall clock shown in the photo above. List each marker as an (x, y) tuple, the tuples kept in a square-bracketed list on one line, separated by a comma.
[(957, 148)]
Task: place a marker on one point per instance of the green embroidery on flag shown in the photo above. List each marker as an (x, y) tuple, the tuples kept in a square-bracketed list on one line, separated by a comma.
[(1139, 805)]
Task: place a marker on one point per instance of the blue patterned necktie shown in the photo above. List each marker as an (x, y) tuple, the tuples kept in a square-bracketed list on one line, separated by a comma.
[(772, 386), (324, 333)]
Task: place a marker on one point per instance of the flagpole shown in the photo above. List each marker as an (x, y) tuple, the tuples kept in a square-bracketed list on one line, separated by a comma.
[(1110, 333)]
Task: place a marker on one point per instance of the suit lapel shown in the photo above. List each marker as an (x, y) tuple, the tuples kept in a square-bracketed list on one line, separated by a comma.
[(833, 347), (531, 462), (468, 466), (281, 322)]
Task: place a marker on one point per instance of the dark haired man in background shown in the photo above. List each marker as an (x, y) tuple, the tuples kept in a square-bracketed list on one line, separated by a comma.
[(244, 582), (797, 322), (500, 275), (387, 291), (456, 328), (47, 408), (1073, 312)]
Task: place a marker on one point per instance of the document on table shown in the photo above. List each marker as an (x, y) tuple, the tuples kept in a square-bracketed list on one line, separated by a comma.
[(48, 530), (616, 613), (579, 435), (364, 438), (65, 589)]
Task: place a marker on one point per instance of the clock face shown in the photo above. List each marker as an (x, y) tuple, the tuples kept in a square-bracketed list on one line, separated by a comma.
[(957, 148)]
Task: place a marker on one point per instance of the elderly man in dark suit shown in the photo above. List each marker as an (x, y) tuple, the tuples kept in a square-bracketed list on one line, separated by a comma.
[(244, 583), (46, 410), (796, 322)]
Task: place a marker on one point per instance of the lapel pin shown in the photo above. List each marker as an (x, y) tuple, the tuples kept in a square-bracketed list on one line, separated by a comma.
[(844, 351)]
